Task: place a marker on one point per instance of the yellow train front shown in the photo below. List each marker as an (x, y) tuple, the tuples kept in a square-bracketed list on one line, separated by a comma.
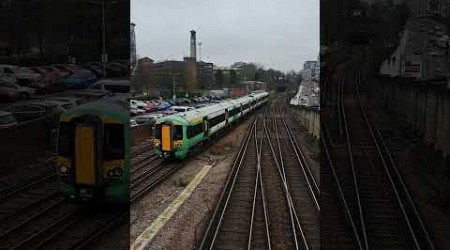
[(93, 153)]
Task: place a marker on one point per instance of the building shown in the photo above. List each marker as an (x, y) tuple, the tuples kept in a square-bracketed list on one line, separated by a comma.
[(424, 8), (310, 65), (422, 51), (50, 31), (205, 75), (133, 46)]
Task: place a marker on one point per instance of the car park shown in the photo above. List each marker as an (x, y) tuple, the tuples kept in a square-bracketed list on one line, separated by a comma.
[(23, 75), (7, 119), (17, 91), (49, 83), (136, 111), (117, 86), (178, 109), (148, 118), (163, 105), (25, 111)]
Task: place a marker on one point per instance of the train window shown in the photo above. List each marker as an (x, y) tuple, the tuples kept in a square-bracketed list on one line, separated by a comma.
[(65, 139), (195, 130), (216, 120), (114, 142), (235, 111), (178, 132), (158, 131)]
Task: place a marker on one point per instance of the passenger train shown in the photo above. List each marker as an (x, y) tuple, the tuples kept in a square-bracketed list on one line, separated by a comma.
[(176, 136), (93, 151)]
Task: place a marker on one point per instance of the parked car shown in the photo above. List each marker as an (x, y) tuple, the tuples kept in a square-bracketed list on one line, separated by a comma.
[(24, 76), (148, 118), (57, 71), (133, 123), (116, 86), (49, 83), (69, 68), (26, 111), (95, 69), (63, 104), (52, 109), (136, 111), (80, 79), (18, 91), (73, 100), (163, 105), (7, 119), (117, 69), (178, 109)]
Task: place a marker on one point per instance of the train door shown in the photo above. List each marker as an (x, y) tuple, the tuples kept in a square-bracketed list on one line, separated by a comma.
[(86, 153), (226, 117), (205, 126), (166, 137)]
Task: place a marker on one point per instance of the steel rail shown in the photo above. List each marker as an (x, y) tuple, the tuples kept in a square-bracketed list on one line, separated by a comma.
[(353, 168), (219, 211), (391, 180), (307, 174), (323, 137), (288, 197)]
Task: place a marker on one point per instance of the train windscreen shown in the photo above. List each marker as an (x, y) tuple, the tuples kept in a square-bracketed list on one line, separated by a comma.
[(114, 143), (158, 131), (178, 132), (65, 139)]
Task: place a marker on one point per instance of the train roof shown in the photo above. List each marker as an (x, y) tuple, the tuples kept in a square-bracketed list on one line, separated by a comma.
[(103, 108), (197, 115)]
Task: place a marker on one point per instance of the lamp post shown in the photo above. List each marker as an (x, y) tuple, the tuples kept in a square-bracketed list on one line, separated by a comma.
[(104, 55)]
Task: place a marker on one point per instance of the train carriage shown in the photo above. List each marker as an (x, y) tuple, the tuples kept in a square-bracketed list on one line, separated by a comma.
[(93, 152), (177, 135)]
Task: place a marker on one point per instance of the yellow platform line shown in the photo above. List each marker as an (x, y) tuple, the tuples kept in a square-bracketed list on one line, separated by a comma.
[(143, 241)]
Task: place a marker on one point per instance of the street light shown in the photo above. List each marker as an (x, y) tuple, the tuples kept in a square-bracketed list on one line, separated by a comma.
[(104, 55)]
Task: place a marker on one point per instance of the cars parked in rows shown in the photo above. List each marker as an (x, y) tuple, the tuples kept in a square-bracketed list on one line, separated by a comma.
[(178, 109), (24, 76), (80, 79), (14, 91), (148, 118)]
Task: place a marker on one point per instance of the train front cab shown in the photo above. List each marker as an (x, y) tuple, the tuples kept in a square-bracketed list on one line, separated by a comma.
[(168, 141), (91, 159)]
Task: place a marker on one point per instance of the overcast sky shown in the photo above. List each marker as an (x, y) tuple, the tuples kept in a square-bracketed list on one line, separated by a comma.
[(279, 34)]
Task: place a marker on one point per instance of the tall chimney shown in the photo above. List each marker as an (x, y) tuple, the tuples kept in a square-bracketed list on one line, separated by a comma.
[(193, 45)]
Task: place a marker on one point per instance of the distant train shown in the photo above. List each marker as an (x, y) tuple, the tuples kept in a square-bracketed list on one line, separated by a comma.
[(93, 151), (177, 135)]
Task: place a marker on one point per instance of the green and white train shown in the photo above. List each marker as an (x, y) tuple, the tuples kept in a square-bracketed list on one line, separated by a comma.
[(175, 136)]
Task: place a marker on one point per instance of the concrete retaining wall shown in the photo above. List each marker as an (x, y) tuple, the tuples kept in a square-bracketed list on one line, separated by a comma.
[(140, 133), (310, 121), (23, 143), (425, 107)]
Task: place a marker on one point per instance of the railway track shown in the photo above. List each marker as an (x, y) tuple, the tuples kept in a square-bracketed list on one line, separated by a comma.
[(259, 207), (375, 203)]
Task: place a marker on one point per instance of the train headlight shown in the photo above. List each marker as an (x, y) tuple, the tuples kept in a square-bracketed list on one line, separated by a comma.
[(110, 173), (63, 169), (115, 172), (118, 172)]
